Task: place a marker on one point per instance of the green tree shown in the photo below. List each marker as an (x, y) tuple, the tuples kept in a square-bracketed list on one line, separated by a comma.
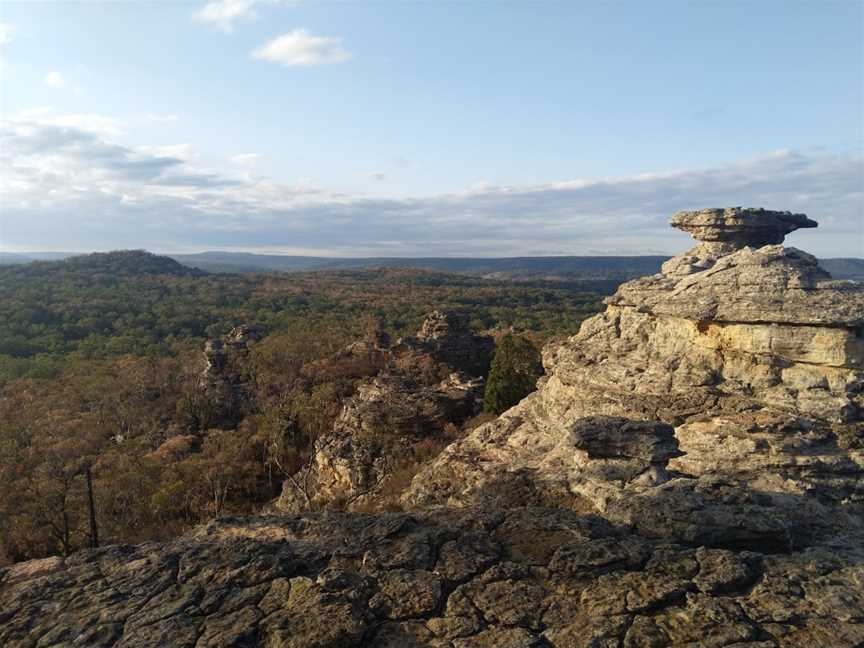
[(514, 373)]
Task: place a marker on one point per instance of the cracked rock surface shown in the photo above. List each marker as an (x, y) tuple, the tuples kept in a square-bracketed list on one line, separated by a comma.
[(442, 578)]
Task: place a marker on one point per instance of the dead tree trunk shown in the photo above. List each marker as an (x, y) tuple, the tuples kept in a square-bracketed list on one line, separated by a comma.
[(94, 529)]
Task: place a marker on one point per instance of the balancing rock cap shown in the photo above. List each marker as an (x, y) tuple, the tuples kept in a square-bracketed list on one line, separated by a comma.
[(740, 226)]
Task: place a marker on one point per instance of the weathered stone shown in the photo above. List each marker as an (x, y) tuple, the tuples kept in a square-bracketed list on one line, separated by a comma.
[(447, 337), (419, 390), (722, 571), (407, 594), (499, 638), (466, 556), (230, 583), (406, 634), (224, 381), (740, 226)]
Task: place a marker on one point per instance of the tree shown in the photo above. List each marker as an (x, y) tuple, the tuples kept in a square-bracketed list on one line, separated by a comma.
[(514, 373)]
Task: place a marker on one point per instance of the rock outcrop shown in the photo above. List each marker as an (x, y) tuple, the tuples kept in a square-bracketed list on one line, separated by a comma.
[(753, 354), (376, 434), (738, 227), (223, 381), (447, 338), (405, 407), (474, 578)]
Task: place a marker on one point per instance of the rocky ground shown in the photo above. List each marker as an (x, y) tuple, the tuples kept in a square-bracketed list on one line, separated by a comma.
[(457, 578), (689, 473)]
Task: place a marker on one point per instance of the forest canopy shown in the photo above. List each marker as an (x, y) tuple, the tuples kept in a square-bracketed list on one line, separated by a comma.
[(100, 365)]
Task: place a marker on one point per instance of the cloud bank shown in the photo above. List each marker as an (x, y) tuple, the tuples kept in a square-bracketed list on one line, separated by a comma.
[(67, 185)]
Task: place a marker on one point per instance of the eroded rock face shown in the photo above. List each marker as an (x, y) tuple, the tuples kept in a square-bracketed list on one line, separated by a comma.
[(438, 579), (223, 380), (375, 433), (755, 356), (740, 226), (406, 404), (723, 231), (446, 337)]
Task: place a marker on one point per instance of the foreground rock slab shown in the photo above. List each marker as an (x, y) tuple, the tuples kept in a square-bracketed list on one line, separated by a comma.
[(446, 578)]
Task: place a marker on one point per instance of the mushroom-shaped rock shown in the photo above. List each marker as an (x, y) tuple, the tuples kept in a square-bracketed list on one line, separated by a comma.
[(740, 226)]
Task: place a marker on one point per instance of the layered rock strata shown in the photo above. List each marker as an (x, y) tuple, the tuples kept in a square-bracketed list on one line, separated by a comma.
[(754, 355)]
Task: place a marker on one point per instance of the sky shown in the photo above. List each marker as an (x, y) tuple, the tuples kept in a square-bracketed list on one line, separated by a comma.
[(425, 128)]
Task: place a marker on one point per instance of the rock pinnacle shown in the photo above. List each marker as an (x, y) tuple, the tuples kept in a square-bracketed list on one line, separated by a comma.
[(740, 226)]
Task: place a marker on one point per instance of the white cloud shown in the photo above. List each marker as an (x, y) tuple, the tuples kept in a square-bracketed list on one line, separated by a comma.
[(55, 80), (244, 159), (222, 14), (63, 185), (89, 122), (378, 176), (299, 47)]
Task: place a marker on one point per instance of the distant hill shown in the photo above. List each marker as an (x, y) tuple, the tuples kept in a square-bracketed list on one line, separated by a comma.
[(844, 268), (121, 263), (129, 262)]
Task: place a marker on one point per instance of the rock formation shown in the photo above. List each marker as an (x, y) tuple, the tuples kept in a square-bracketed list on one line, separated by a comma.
[(406, 404), (754, 354), (374, 436), (737, 227), (446, 337), (690, 472), (223, 380)]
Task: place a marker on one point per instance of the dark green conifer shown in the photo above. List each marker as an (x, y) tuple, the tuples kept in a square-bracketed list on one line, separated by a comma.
[(515, 370)]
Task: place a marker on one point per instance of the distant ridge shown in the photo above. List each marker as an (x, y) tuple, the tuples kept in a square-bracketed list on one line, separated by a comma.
[(512, 267), (554, 267)]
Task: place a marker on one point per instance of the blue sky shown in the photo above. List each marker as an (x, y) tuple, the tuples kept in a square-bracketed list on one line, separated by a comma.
[(445, 128)]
